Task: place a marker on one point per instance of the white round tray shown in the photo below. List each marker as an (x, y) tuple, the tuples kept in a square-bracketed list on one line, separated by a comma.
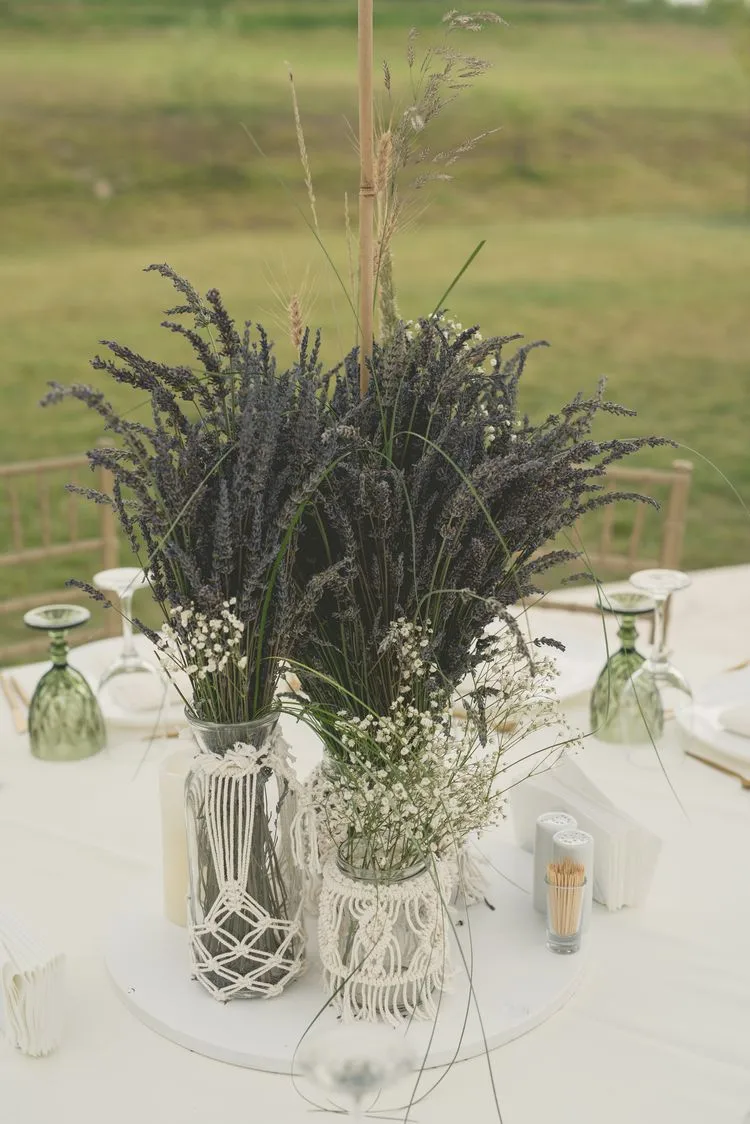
[(516, 983)]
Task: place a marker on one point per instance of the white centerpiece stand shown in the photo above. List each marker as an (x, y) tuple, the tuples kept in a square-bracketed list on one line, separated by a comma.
[(505, 982)]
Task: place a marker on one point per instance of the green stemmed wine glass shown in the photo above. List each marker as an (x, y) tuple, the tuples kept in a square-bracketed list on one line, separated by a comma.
[(65, 722), (617, 713)]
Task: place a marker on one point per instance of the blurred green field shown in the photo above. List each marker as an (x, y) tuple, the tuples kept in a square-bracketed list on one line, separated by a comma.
[(614, 201)]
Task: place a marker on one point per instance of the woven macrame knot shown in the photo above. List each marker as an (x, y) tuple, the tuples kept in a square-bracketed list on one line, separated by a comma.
[(245, 916), (383, 946), (232, 894)]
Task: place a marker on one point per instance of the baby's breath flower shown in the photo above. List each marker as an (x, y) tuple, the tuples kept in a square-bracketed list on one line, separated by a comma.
[(419, 783)]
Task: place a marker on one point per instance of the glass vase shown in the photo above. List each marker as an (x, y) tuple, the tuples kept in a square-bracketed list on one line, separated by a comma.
[(383, 942), (65, 722), (245, 897)]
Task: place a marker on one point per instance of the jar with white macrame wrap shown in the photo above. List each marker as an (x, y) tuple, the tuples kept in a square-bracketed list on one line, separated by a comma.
[(313, 847), (384, 945), (245, 920)]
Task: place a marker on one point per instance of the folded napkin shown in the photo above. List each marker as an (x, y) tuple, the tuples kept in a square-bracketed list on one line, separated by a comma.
[(30, 990), (736, 719), (625, 853)]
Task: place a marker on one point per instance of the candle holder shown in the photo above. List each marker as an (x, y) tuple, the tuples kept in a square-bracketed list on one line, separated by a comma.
[(65, 722), (172, 777)]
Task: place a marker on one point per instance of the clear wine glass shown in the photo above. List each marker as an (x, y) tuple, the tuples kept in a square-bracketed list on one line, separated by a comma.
[(658, 670), (353, 1064), (132, 682)]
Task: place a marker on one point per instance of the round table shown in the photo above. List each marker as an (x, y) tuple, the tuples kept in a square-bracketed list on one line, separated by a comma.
[(658, 1031)]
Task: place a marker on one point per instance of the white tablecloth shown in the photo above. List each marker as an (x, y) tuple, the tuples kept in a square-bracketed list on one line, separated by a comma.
[(659, 1031)]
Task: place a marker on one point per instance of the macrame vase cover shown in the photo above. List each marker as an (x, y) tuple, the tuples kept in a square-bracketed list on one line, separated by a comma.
[(245, 920), (383, 946), (313, 846)]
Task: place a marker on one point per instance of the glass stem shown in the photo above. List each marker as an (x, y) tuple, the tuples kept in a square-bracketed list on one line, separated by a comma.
[(128, 643), (627, 633), (658, 651), (58, 648)]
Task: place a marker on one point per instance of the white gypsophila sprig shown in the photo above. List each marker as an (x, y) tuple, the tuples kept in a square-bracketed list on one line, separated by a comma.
[(412, 784), (209, 649), (451, 329)]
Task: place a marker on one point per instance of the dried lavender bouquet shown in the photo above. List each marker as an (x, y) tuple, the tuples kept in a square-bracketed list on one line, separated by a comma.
[(441, 514), (440, 519), (210, 494)]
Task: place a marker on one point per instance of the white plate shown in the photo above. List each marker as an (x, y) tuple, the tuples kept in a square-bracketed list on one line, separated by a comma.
[(93, 659), (162, 711), (701, 720), (577, 674)]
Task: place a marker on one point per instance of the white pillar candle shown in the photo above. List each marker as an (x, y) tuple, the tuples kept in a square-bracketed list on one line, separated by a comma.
[(578, 846), (172, 774), (547, 825)]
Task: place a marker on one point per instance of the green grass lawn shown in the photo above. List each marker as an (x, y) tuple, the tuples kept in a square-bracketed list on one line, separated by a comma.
[(612, 199)]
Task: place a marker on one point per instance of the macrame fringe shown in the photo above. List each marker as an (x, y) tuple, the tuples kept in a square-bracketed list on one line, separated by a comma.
[(471, 882), (312, 846), (383, 946)]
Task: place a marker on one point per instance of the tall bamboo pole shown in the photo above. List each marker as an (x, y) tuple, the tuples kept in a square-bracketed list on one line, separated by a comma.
[(366, 191)]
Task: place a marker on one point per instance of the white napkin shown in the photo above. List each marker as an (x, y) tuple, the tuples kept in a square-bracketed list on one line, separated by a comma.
[(625, 853), (736, 719), (30, 989)]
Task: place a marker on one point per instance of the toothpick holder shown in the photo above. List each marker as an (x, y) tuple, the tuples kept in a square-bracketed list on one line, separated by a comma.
[(577, 845)]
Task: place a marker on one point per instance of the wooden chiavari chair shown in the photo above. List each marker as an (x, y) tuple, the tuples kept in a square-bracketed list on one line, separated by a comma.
[(618, 551), (41, 523)]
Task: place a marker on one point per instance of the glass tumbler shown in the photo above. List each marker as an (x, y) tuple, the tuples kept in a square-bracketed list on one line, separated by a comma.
[(564, 917)]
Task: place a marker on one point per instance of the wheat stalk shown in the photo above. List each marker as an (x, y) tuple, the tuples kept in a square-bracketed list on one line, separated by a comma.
[(303, 150), (296, 322), (366, 191)]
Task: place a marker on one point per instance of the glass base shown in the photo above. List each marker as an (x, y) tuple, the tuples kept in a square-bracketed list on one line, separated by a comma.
[(564, 946), (134, 685), (665, 749)]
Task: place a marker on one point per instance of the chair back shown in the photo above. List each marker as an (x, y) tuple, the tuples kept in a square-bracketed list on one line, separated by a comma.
[(46, 529), (624, 537), (621, 546)]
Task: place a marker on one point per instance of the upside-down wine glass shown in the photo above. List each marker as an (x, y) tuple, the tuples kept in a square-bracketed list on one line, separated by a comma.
[(131, 681), (352, 1065), (616, 714), (65, 722), (674, 690)]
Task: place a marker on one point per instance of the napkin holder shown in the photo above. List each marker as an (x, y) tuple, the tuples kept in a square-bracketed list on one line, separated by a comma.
[(625, 852), (31, 990)]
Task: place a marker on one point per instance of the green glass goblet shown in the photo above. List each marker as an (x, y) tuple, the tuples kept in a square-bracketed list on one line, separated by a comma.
[(618, 714), (65, 722)]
